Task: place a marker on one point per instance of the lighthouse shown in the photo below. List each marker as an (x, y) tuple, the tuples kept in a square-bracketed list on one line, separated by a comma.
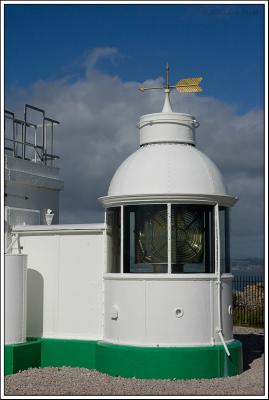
[(148, 292), (168, 285)]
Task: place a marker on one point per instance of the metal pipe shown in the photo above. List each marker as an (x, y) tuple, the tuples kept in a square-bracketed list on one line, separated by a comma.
[(52, 121), (24, 133), (51, 231), (13, 127), (224, 344), (16, 237), (219, 329), (35, 145), (169, 238), (22, 140), (51, 143), (27, 124), (14, 137), (35, 108), (121, 240), (44, 129), (24, 125)]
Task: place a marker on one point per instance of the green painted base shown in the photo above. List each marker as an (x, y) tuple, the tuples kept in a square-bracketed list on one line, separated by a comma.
[(42, 352), (22, 356), (126, 361), (169, 363), (71, 353)]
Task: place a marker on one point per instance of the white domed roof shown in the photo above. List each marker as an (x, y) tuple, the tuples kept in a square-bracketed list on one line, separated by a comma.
[(167, 168)]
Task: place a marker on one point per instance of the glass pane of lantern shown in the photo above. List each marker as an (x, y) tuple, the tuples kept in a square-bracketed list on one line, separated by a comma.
[(113, 239), (145, 239), (192, 241), (225, 262)]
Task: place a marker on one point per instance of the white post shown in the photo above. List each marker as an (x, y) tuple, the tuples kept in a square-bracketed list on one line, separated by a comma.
[(169, 238)]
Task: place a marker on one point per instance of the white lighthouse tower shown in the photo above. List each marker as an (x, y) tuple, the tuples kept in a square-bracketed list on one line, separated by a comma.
[(168, 286)]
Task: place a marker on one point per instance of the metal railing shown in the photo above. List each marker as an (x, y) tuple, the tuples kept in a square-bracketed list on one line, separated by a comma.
[(19, 145), (248, 301)]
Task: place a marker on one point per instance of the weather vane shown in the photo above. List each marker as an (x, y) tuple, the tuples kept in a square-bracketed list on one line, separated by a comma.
[(187, 85)]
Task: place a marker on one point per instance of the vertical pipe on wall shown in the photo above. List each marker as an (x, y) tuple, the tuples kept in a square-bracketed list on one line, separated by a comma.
[(218, 282), (106, 255), (121, 239), (169, 238), (106, 243)]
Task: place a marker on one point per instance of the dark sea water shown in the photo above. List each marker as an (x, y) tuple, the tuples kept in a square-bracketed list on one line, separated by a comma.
[(252, 267)]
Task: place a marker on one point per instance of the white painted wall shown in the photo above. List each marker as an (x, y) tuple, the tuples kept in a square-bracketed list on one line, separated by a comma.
[(15, 298), (141, 310), (70, 295), (65, 286)]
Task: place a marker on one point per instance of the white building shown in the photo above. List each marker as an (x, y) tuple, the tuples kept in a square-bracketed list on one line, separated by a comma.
[(148, 293)]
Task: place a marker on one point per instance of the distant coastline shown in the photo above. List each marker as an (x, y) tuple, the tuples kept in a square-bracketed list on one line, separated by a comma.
[(248, 266)]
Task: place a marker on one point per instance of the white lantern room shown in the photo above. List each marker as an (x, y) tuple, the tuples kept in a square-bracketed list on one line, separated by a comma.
[(168, 282)]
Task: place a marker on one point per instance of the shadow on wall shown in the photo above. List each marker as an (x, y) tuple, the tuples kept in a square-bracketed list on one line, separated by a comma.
[(35, 298), (253, 347)]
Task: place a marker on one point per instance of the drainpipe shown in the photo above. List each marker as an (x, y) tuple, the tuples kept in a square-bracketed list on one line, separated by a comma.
[(219, 329), (15, 238)]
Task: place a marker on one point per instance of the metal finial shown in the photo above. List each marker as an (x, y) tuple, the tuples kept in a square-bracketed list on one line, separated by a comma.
[(166, 73)]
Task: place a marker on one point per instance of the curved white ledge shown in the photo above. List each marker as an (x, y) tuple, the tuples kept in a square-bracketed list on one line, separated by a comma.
[(162, 277), (222, 200)]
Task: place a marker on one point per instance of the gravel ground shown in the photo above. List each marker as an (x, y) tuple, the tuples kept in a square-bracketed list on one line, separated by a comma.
[(67, 381)]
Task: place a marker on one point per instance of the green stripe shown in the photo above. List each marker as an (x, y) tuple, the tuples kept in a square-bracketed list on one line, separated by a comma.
[(126, 361)]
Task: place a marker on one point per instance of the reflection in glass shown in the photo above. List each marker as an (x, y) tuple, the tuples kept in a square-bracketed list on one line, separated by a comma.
[(113, 239), (225, 262), (192, 239), (145, 239)]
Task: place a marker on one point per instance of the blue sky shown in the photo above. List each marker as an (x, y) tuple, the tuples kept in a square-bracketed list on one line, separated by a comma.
[(84, 63), (222, 43)]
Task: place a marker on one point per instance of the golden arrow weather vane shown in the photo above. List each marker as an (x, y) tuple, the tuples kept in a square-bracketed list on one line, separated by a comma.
[(186, 85)]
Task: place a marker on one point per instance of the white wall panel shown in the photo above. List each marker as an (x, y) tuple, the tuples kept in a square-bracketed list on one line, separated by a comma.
[(191, 325), (147, 310), (128, 298), (80, 285), (65, 294), (42, 287)]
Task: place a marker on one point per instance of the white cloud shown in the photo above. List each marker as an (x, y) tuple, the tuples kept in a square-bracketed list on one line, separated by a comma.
[(98, 53), (98, 115)]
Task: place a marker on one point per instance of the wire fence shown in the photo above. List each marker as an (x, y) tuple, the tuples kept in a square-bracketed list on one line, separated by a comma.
[(248, 301)]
